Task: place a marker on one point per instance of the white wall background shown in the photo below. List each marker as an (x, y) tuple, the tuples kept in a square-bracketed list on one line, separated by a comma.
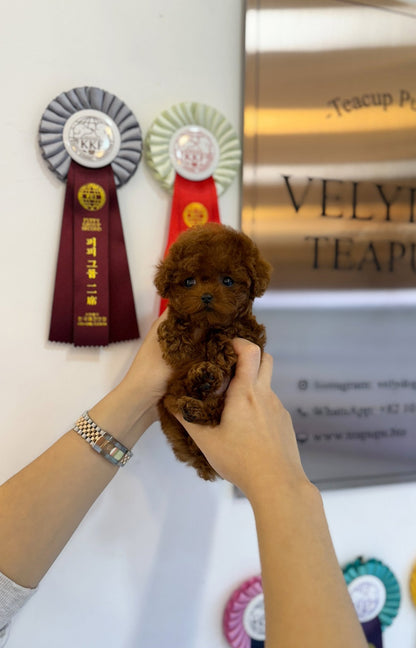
[(156, 559)]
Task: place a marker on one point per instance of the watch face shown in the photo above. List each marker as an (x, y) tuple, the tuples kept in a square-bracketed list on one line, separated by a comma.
[(91, 138), (194, 152)]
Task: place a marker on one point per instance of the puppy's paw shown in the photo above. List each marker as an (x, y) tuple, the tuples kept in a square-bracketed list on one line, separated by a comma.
[(192, 410), (204, 379)]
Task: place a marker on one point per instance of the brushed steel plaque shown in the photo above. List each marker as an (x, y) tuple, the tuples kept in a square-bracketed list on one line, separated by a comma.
[(346, 371), (329, 195), (329, 176)]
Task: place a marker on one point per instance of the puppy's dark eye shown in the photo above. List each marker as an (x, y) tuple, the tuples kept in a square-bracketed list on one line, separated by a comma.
[(189, 282), (227, 281)]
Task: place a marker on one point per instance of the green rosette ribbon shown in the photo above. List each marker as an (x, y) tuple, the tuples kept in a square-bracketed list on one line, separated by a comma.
[(159, 137)]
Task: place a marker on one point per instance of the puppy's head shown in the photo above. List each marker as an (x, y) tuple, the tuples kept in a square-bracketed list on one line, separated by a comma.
[(211, 274)]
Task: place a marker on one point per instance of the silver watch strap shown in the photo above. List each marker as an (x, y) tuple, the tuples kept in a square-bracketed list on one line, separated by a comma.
[(101, 441)]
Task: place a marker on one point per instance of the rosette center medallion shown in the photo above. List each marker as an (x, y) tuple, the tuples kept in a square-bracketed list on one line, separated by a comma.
[(194, 152), (91, 138)]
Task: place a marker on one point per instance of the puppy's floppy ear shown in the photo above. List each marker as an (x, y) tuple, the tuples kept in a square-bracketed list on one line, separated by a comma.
[(163, 278), (260, 274)]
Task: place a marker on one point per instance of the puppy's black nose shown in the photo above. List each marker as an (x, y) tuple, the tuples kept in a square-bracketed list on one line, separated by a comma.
[(207, 298)]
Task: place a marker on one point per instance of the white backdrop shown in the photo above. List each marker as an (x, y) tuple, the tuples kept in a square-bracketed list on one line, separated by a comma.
[(155, 560)]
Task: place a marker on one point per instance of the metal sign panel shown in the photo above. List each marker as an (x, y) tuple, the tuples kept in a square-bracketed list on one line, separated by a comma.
[(329, 195), (330, 141), (346, 371)]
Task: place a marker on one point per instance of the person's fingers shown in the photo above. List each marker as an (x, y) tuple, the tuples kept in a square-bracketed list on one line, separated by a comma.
[(194, 430), (248, 361), (159, 320), (266, 371), (151, 336), (247, 372), (163, 316)]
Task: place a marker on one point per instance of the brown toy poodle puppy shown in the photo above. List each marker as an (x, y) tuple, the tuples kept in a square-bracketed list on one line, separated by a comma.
[(210, 276)]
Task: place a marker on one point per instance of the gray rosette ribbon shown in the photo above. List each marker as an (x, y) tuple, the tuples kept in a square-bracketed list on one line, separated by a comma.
[(91, 139)]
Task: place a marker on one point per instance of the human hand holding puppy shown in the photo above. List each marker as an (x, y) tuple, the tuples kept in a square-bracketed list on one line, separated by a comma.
[(254, 446)]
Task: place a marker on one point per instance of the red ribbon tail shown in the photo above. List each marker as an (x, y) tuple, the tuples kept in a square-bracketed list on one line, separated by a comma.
[(193, 203)]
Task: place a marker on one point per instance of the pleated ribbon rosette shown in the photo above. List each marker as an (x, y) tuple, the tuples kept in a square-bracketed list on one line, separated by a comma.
[(375, 593), (91, 140), (193, 151), (244, 620)]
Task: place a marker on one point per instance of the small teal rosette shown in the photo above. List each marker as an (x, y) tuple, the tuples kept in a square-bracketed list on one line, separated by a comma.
[(377, 571), (375, 593)]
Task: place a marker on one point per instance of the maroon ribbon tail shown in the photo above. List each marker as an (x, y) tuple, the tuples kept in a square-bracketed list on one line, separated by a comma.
[(123, 321), (93, 302), (61, 325)]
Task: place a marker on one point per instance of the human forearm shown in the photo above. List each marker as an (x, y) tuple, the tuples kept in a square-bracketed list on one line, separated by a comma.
[(306, 600), (42, 505), (124, 412)]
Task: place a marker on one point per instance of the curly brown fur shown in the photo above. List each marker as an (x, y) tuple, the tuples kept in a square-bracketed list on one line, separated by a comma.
[(211, 276)]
